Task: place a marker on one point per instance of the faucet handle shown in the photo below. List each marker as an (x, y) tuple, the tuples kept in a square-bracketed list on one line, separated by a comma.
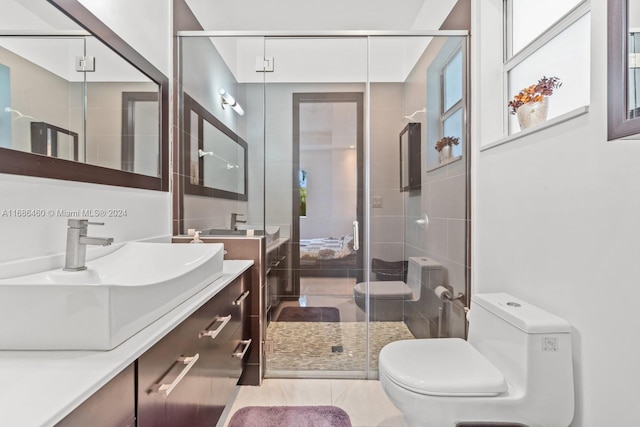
[(81, 223), (77, 223)]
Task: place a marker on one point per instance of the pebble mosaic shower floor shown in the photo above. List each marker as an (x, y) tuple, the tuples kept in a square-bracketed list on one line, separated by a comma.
[(329, 346)]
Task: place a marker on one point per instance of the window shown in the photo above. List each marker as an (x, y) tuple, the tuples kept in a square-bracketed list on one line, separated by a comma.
[(634, 74), (302, 177), (548, 39), (451, 113)]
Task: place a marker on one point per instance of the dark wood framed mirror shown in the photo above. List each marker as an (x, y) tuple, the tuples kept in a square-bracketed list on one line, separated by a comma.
[(410, 178), (18, 162), (623, 78), (214, 157)]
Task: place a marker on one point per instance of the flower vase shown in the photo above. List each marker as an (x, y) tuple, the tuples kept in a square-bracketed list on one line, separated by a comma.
[(445, 154), (532, 113)]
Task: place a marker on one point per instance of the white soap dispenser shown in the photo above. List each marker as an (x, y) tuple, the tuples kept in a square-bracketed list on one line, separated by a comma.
[(196, 238)]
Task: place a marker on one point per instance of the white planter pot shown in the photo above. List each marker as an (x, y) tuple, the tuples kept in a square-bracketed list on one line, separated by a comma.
[(445, 154), (533, 113)]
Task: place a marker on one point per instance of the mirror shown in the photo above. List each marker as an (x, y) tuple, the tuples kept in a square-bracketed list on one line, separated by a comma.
[(623, 68), (410, 157), (71, 107), (215, 158)]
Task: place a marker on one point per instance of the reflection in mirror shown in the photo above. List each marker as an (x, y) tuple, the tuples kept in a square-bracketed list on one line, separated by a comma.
[(98, 101), (53, 141), (41, 82), (633, 25), (215, 157)]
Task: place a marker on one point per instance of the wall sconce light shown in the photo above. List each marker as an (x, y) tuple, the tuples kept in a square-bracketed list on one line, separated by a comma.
[(226, 99)]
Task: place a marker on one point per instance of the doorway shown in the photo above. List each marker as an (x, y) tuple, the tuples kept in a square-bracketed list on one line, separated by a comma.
[(327, 212)]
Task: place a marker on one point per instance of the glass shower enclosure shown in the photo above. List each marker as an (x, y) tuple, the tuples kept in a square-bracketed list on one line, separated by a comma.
[(335, 123)]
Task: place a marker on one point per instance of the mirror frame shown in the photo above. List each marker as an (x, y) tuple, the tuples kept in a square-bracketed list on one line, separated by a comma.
[(189, 105), (24, 163), (619, 125), (410, 150)]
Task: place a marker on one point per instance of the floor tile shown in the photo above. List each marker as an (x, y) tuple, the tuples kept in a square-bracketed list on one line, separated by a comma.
[(364, 400), (366, 403)]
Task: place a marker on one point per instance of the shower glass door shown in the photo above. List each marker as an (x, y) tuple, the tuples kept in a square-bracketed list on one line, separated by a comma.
[(315, 104), (345, 119)]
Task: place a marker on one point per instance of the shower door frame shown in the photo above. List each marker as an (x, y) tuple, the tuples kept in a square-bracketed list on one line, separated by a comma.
[(366, 231)]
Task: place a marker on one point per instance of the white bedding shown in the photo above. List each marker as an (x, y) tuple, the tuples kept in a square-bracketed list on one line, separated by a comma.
[(326, 248)]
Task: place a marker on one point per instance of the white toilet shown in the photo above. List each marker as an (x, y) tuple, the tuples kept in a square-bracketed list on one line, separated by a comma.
[(387, 298), (515, 368)]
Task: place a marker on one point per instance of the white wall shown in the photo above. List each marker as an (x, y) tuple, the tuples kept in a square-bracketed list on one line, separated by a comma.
[(556, 223), (147, 213)]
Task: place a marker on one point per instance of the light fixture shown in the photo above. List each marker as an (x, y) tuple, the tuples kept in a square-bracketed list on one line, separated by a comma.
[(226, 99)]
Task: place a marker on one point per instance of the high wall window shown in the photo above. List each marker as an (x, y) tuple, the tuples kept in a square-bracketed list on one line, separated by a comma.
[(548, 38), (451, 114), (446, 100)]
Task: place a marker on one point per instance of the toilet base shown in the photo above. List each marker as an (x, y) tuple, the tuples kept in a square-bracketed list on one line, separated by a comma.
[(380, 310), (386, 300)]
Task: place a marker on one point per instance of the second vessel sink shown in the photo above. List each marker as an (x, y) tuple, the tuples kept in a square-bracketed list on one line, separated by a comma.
[(98, 308)]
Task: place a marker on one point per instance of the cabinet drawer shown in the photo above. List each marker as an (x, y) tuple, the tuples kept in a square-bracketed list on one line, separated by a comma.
[(239, 294), (194, 392)]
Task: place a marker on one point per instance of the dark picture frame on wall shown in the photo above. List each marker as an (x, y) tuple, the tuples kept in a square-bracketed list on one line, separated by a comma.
[(410, 176)]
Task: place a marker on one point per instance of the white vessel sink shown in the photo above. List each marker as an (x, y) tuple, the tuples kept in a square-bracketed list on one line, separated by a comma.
[(98, 308)]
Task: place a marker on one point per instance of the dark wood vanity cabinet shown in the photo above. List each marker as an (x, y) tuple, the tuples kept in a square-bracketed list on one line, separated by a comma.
[(279, 283), (187, 378), (111, 406)]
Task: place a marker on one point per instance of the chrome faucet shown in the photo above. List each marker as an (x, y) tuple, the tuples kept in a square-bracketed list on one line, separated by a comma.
[(77, 241), (235, 221)]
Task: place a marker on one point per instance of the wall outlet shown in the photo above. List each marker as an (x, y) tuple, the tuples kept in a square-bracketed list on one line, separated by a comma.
[(376, 202)]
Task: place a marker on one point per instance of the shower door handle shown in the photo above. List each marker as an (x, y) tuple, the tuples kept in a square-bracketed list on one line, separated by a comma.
[(356, 235)]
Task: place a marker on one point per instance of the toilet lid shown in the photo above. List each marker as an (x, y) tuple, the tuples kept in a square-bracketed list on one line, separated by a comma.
[(441, 367), (385, 290)]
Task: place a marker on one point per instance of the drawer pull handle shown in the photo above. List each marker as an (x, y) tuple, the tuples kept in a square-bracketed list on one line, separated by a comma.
[(166, 389), (240, 354), (213, 333), (241, 298)]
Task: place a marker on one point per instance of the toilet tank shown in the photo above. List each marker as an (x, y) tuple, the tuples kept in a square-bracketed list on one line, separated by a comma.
[(423, 271), (530, 346)]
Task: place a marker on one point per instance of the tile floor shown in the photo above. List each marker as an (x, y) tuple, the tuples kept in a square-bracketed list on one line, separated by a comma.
[(364, 400)]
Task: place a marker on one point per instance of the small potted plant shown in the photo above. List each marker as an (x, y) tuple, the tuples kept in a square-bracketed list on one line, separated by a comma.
[(531, 104), (443, 146)]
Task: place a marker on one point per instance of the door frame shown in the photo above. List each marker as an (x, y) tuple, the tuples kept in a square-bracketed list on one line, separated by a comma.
[(317, 97)]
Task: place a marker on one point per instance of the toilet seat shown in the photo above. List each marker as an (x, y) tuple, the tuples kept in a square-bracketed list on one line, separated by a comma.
[(384, 290), (440, 367)]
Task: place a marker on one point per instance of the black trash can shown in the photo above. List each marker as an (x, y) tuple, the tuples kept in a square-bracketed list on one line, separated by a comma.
[(389, 270)]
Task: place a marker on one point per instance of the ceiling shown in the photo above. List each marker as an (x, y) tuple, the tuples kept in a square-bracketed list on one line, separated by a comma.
[(321, 60), (326, 15)]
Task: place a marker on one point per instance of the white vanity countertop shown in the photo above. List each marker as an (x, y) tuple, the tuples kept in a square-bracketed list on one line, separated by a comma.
[(39, 388)]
